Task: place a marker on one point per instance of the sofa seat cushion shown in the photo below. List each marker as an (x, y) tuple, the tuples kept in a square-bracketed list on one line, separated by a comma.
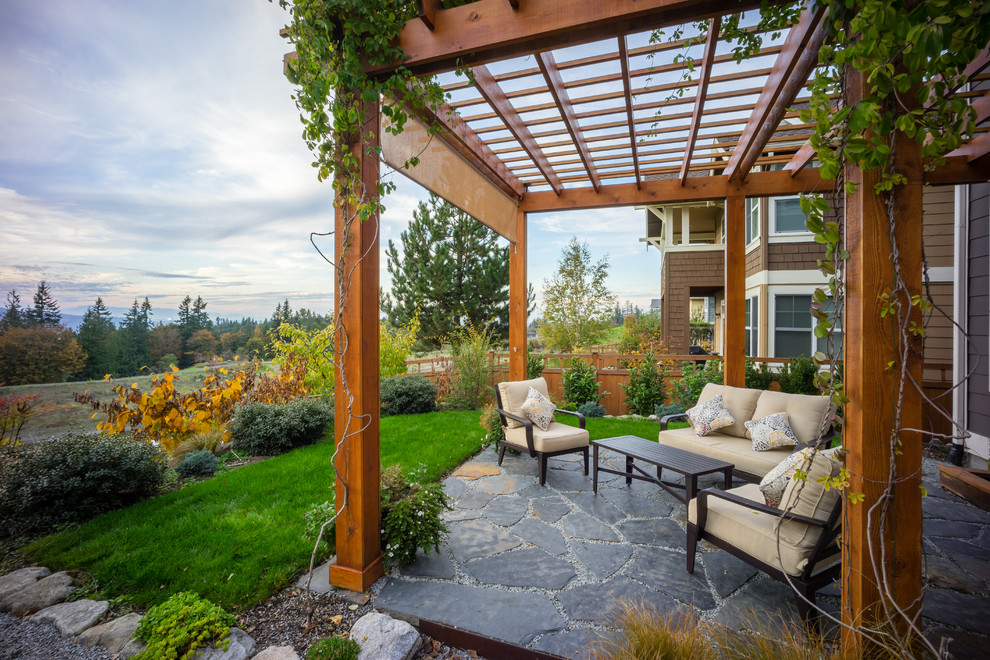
[(738, 451), (515, 393), (557, 437), (755, 532), (805, 412), (739, 401)]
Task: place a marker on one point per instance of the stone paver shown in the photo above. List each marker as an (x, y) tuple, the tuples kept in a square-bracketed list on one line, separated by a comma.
[(727, 573), (478, 538), (601, 560), (665, 570), (577, 643), (583, 526), (507, 509), (435, 564), (550, 509), (660, 532), (475, 470), (528, 567), (540, 534)]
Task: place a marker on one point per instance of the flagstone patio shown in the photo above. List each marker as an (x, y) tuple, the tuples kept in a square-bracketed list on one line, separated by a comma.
[(544, 567)]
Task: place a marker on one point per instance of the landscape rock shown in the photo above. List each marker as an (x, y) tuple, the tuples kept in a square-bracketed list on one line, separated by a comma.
[(277, 653), (46, 591), (383, 638), (240, 647), (132, 648), (113, 635), (74, 617), (21, 578)]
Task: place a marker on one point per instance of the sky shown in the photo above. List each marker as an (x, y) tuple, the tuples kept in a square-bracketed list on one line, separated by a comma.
[(153, 149)]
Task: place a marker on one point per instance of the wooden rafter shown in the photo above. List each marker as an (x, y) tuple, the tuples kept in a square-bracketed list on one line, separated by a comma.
[(492, 93), (630, 117), (699, 102), (790, 72), (801, 158), (489, 30), (555, 83), (428, 13)]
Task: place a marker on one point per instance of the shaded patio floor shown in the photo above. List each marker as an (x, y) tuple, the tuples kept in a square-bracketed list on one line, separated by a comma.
[(543, 567)]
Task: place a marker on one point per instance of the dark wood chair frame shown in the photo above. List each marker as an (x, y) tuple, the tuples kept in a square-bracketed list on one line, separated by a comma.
[(808, 582), (541, 456)]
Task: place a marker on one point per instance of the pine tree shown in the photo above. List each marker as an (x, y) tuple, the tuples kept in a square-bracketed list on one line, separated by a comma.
[(134, 339), (97, 337), (451, 270), (14, 316), (192, 317), (45, 312)]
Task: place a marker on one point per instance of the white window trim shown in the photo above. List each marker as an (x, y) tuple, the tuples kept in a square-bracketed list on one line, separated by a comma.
[(754, 320), (755, 241), (802, 236), (772, 293)]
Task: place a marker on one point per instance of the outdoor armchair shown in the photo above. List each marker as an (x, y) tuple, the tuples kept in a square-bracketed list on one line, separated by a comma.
[(522, 434), (795, 543)]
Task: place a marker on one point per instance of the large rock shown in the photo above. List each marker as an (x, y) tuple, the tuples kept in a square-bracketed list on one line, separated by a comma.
[(72, 618), (47, 591), (383, 638), (113, 635), (278, 653), (21, 578), (240, 648)]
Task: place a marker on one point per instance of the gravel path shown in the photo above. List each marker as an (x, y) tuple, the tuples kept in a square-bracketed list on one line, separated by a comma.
[(33, 641)]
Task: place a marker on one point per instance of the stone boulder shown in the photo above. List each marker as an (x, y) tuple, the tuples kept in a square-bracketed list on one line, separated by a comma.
[(278, 653), (46, 591), (72, 618), (113, 635), (240, 648), (21, 578), (383, 638)]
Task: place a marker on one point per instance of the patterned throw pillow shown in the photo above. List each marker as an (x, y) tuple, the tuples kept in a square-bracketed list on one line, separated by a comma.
[(709, 416), (771, 432), (538, 408), (775, 483)]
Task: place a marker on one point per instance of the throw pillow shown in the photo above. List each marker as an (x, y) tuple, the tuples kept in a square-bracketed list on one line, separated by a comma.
[(709, 416), (538, 408), (771, 432), (775, 483)]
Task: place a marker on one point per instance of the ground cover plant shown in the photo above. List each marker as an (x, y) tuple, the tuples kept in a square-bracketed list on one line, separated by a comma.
[(237, 538)]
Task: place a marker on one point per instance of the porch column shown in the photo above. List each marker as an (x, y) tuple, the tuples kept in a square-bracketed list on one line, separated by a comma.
[(359, 559), (518, 301), (882, 534), (734, 344)]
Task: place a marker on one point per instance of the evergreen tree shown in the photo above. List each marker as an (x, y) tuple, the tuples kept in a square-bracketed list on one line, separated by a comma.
[(577, 306), (97, 338), (45, 312), (14, 315), (192, 317), (451, 269), (134, 339)]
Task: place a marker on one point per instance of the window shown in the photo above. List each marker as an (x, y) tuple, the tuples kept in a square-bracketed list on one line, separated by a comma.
[(788, 217), (752, 326), (793, 332), (752, 219)]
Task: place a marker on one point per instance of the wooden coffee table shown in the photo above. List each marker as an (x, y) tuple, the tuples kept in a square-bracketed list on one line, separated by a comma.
[(663, 457)]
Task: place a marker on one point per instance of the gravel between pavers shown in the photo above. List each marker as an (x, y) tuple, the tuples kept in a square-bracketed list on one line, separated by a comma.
[(42, 641)]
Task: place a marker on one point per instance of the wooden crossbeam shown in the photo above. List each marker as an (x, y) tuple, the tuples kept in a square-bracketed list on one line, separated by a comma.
[(555, 83), (428, 13), (699, 99), (802, 157), (492, 93), (790, 72), (490, 30), (627, 94)]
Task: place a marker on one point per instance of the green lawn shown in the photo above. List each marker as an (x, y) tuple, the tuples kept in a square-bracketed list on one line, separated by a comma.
[(237, 538)]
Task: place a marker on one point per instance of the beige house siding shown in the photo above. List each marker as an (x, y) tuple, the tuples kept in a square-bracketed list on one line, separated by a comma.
[(939, 214), (682, 271)]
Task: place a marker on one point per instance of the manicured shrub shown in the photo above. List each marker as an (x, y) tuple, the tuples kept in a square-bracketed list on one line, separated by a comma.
[(592, 409), (334, 648), (197, 464), (264, 429), (800, 376), (759, 376), (687, 388), (645, 390), (408, 395), (73, 478), (183, 623), (580, 384), (670, 409)]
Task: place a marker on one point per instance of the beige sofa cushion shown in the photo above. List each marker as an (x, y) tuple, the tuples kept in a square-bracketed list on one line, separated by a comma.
[(739, 401), (718, 445), (556, 438), (805, 412), (514, 394), (755, 532)]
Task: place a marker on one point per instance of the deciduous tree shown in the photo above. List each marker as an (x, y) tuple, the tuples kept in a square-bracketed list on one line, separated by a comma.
[(577, 305), (164, 340), (39, 354)]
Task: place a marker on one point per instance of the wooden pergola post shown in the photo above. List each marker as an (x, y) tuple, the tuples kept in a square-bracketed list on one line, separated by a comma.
[(358, 463), (882, 534), (518, 301), (734, 345)]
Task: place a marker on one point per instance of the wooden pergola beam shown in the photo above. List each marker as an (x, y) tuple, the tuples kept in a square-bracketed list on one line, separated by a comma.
[(428, 13), (790, 72), (699, 100), (490, 30), (493, 94), (669, 191), (555, 83), (801, 157)]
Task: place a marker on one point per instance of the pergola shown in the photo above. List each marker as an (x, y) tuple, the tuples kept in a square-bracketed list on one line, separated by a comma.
[(562, 115)]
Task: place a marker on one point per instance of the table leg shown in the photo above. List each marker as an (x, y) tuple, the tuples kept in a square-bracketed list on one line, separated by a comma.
[(594, 480), (690, 487), (629, 464), (728, 478)]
